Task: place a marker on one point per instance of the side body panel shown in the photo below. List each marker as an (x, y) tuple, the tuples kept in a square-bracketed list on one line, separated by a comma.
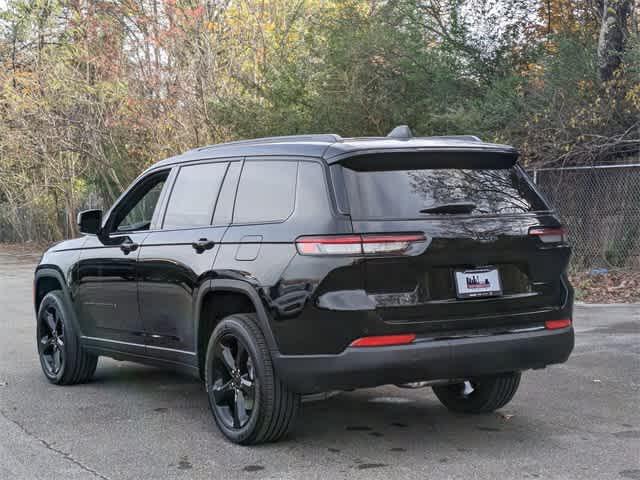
[(283, 297), (106, 294), (171, 273)]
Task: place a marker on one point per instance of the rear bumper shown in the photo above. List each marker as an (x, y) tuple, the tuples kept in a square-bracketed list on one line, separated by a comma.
[(424, 360)]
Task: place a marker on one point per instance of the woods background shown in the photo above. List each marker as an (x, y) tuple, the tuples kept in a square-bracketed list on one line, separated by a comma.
[(91, 92)]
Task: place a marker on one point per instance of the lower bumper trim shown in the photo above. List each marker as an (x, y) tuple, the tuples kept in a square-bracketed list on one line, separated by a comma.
[(434, 360)]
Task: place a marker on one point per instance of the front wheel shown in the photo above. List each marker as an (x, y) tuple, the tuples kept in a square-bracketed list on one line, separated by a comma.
[(480, 395), (63, 359), (248, 401)]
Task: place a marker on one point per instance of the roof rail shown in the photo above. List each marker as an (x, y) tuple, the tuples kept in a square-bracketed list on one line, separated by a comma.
[(466, 138), (320, 137), (401, 131)]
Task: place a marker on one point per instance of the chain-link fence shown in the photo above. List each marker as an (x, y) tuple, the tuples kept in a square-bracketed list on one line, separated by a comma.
[(600, 206)]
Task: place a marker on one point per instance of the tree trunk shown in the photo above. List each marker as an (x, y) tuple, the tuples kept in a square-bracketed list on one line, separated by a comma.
[(613, 33)]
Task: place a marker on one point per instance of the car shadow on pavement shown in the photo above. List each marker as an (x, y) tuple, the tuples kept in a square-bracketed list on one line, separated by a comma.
[(404, 421), (124, 373), (388, 418)]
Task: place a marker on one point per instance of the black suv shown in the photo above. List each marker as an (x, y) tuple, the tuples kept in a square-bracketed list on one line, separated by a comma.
[(285, 266)]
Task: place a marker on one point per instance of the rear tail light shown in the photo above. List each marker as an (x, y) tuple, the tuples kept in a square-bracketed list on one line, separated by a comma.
[(366, 244), (557, 324), (338, 245), (550, 235), (384, 340)]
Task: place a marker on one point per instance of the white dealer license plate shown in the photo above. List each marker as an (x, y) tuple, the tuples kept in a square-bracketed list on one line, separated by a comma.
[(480, 282)]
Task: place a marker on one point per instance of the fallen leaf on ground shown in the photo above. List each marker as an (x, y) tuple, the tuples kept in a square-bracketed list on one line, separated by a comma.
[(612, 286)]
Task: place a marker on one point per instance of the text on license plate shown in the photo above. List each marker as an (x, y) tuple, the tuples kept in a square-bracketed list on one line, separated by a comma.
[(479, 282)]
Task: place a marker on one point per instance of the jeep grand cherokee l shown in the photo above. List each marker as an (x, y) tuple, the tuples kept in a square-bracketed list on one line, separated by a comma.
[(285, 266)]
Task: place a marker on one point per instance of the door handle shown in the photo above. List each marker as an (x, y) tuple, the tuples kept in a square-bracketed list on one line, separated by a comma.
[(202, 245), (128, 247)]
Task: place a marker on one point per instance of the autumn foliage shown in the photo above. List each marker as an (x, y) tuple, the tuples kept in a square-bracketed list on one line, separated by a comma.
[(91, 92)]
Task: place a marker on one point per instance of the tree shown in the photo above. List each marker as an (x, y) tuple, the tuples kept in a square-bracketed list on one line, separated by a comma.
[(93, 92), (613, 36)]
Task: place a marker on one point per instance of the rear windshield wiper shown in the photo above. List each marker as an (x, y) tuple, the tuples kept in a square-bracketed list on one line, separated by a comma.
[(452, 208)]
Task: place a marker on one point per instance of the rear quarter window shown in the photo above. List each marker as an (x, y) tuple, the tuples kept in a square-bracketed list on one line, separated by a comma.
[(266, 191), (404, 193)]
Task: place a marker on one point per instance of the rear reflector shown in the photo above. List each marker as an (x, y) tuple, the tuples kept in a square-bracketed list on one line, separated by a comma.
[(384, 243), (384, 340), (556, 324), (549, 235)]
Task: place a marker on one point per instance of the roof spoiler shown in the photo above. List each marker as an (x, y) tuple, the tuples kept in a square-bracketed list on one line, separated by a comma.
[(420, 158)]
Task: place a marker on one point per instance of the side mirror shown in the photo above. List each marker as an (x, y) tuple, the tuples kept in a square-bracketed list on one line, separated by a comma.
[(90, 221)]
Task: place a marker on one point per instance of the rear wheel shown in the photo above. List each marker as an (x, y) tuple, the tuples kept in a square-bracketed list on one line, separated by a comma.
[(63, 359), (248, 401), (480, 395)]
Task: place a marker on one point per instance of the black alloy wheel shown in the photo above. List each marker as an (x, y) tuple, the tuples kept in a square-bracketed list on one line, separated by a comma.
[(249, 402), (234, 387), (51, 341), (64, 360)]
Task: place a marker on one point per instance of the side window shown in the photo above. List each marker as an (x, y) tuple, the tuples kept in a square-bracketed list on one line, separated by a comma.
[(194, 195), (266, 192), (137, 211)]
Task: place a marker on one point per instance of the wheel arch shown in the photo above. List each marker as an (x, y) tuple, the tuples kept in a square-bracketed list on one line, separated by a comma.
[(48, 279), (240, 297)]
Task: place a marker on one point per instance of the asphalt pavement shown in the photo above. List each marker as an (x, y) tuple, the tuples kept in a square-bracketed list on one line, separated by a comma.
[(579, 420)]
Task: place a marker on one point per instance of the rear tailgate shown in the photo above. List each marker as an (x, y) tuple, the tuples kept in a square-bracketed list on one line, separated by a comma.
[(492, 230)]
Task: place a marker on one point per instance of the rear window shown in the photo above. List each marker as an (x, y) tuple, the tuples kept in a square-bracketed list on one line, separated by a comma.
[(408, 193)]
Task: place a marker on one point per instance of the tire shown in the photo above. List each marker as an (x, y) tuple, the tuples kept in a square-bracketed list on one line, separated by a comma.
[(252, 405), (63, 359), (489, 393)]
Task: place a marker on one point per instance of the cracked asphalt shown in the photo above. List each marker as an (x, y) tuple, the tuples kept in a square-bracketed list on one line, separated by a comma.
[(573, 421)]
